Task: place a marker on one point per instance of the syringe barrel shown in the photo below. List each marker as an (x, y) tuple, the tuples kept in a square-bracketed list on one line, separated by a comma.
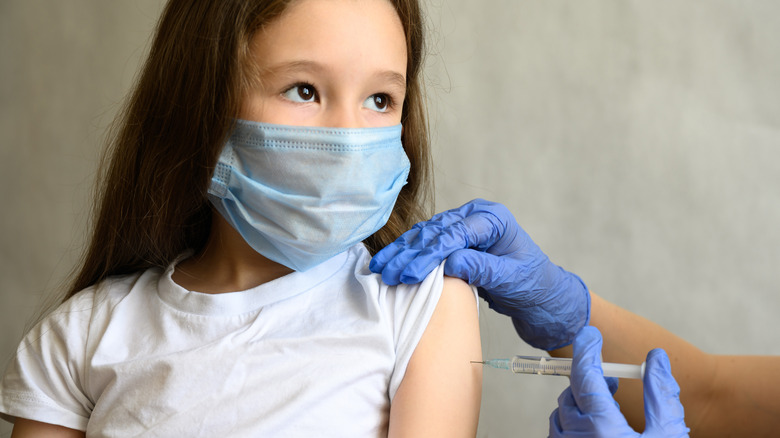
[(555, 366), (550, 366)]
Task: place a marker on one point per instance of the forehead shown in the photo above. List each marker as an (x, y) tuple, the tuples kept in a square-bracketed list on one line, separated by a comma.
[(362, 34)]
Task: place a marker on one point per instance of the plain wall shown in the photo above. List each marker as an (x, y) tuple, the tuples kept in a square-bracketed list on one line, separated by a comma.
[(637, 142)]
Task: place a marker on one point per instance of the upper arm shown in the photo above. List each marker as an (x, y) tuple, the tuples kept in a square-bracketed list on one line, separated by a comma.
[(441, 390), (44, 379), (29, 428)]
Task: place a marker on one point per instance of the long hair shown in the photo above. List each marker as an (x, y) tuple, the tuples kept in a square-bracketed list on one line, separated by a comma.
[(151, 203)]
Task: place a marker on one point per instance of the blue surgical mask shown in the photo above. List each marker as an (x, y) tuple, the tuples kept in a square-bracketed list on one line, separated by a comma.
[(300, 195)]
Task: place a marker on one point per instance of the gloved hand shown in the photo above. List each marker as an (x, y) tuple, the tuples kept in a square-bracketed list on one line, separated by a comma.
[(484, 246), (587, 409)]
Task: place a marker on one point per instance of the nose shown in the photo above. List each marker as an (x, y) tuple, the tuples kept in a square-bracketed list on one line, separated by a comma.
[(342, 115)]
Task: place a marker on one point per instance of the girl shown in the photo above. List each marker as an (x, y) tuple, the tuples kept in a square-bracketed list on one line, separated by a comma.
[(225, 291)]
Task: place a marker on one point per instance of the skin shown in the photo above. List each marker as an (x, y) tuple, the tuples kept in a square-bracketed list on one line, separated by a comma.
[(719, 397), (28, 428), (342, 63), (435, 400), (318, 68)]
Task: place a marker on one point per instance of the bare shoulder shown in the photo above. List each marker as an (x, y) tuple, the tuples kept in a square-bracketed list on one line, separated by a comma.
[(456, 310), (457, 290), (443, 401)]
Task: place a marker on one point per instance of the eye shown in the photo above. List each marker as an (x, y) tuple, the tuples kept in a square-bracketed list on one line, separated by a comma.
[(380, 102), (302, 93)]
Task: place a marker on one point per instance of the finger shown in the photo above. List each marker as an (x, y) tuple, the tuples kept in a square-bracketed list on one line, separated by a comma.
[(380, 259), (484, 228), (569, 414), (391, 274), (397, 269), (433, 249), (663, 410), (566, 416), (417, 252), (494, 273), (391, 260), (383, 257), (473, 267), (447, 217), (479, 230), (478, 224), (613, 384), (455, 214), (419, 267), (591, 392), (555, 430)]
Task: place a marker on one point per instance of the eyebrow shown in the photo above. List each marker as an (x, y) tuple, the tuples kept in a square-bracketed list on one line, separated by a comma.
[(393, 77), (291, 66)]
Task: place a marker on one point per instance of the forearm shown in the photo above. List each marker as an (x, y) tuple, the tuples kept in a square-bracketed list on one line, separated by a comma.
[(720, 399), (629, 337), (747, 399)]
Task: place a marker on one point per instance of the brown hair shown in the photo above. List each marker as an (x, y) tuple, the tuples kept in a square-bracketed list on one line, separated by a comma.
[(151, 202)]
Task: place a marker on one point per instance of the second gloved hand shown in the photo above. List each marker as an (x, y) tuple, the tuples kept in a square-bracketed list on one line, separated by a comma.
[(484, 246), (586, 408)]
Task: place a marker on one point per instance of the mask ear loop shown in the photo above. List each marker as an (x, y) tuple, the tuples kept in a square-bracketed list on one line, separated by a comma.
[(222, 172)]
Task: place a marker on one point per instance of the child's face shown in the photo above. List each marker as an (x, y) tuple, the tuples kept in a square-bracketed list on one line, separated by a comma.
[(330, 63)]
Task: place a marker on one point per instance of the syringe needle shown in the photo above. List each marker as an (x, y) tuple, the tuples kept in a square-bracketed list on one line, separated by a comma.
[(478, 361)]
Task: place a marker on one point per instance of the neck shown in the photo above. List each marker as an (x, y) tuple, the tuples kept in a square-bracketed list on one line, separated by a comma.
[(226, 264)]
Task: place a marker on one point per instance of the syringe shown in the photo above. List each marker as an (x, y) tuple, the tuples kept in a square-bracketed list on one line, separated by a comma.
[(554, 366)]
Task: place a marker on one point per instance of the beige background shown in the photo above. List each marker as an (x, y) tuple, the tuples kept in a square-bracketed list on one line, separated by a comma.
[(637, 142)]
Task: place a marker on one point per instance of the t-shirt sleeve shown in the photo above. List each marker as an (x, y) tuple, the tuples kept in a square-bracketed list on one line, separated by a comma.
[(413, 308), (45, 380)]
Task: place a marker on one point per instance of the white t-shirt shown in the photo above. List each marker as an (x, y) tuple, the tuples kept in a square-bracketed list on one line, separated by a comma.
[(316, 353)]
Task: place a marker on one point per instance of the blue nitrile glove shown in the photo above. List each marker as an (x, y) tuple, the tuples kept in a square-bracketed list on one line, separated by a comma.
[(587, 409), (484, 245)]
